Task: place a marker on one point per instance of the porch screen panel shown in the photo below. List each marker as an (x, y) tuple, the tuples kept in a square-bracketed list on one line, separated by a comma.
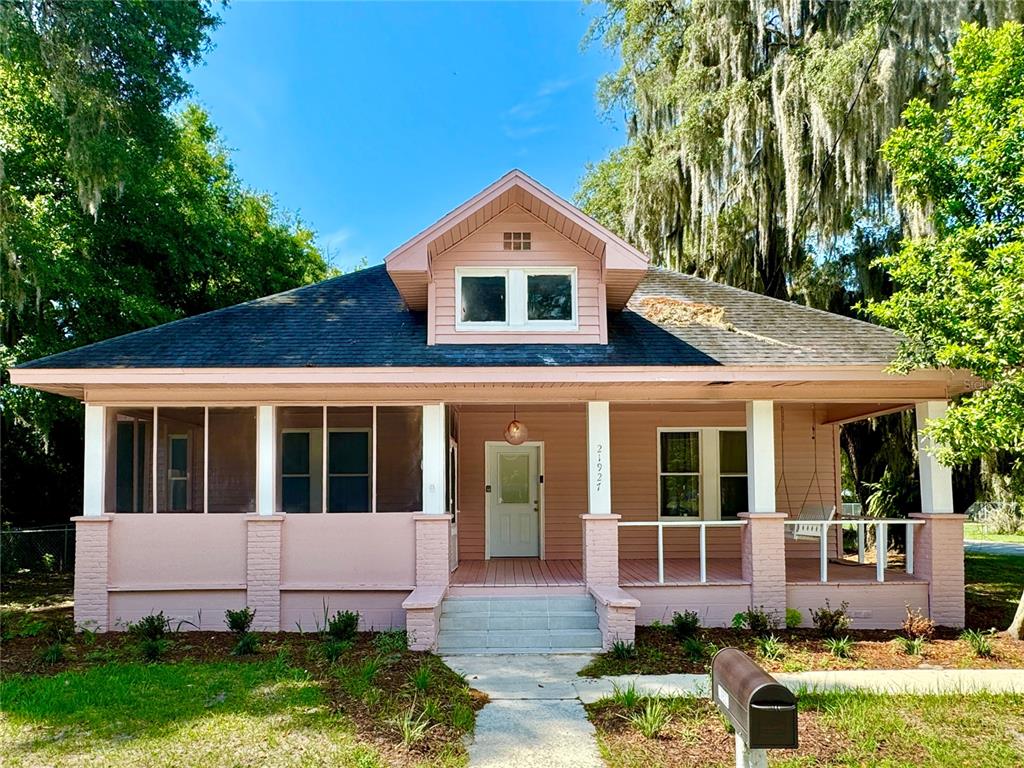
[(129, 455), (300, 459), (232, 464), (679, 474), (349, 459), (180, 460), (399, 458)]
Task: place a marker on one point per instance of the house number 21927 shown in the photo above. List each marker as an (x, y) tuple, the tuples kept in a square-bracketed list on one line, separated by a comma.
[(599, 467)]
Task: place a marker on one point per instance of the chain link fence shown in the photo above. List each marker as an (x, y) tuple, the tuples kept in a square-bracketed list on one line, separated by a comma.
[(49, 549)]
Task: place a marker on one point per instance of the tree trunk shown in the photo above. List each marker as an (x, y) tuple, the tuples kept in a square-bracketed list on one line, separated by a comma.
[(1016, 630)]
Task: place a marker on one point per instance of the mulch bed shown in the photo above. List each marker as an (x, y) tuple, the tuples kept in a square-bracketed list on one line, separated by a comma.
[(696, 737), (373, 718), (658, 652)]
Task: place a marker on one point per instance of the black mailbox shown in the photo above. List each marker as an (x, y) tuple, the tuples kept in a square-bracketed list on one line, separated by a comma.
[(762, 711)]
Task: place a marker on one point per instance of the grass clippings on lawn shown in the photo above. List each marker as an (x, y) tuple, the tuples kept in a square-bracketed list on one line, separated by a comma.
[(836, 729)]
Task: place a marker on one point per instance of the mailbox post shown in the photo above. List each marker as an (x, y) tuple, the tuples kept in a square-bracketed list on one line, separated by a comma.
[(761, 710)]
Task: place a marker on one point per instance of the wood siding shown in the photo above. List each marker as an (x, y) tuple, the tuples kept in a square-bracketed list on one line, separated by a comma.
[(634, 452), (549, 248), (564, 434)]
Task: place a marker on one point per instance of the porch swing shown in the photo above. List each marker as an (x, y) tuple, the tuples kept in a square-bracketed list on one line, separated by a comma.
[(810, 517)]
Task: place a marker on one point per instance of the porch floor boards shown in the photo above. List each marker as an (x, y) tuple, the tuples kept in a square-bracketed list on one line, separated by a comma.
[(533, 572), (517, 572)]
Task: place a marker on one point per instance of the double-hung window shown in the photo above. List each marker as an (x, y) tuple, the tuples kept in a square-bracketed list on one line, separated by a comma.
[(516, 299), (702, 473)]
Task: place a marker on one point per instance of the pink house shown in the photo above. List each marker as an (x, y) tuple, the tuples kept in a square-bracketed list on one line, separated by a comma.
[(514, 434)]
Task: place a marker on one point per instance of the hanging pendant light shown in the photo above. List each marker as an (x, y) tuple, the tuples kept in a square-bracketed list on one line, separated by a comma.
[(515, 432)]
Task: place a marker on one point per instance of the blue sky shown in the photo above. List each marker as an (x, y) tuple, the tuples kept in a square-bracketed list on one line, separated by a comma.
[(371, 120)]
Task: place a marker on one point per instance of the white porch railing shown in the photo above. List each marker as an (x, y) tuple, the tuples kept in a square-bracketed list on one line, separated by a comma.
[(700, 525), (881, 526)]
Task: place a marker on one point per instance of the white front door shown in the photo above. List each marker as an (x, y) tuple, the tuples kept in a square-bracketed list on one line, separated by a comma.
[(513, 500)]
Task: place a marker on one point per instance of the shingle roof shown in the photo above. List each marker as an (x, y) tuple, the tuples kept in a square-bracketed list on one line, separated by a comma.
[(360, 320)]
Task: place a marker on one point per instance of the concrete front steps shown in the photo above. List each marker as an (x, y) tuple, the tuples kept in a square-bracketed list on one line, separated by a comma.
[(549, 624)]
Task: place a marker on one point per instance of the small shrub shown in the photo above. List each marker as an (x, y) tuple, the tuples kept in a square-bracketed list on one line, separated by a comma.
[(421, 678), (412, 727), (916, 625), (332, 650), (432, 711), (392, 641), (240, 621), (372, 697), (840, 647), (53, 653), (696, 649), (88, 635), (49, 562), (770, 648), (152, 627), (627, 697), (343, 625), (980, 642), (152, 648), (831, 622), (685, 625), (912, 646), (623, 650), (651, 720), (793, 618), (60, 630), (248, 644), (463, 718), (757, 620)]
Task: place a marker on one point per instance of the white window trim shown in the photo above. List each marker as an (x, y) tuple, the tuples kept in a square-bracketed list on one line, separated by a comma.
[(709, 472), (369, 474), (516, 300)]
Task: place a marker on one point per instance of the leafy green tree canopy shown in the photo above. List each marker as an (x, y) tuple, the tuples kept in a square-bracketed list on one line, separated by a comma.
[(959, 172)]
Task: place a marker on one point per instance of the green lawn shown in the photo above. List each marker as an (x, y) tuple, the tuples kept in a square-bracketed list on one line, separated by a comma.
[(836, 729), (198, 714), (974, 531), (993, 585)]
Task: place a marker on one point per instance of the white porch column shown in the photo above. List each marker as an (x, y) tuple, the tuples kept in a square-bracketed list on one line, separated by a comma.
[(92, 530), (939, 547), (95, 460), (761, 456), (600, 526), (763, 553), (434, 451), (936, 479), (266, 464), (599, 486), (433, 534)]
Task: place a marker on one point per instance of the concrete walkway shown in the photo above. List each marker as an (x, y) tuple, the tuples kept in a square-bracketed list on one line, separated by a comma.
[(535, 717), (994, 547)]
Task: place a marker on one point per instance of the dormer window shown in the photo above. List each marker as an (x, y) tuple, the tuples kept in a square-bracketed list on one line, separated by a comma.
[(516, 241), (516, 299)]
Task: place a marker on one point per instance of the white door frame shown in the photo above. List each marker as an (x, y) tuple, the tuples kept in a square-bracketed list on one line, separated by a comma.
[(539, 445)]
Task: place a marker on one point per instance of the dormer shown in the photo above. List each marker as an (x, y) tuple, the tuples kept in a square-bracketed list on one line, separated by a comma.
[(516, 264)]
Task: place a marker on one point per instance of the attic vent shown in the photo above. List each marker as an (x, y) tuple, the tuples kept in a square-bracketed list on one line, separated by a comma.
[(517, 241)]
